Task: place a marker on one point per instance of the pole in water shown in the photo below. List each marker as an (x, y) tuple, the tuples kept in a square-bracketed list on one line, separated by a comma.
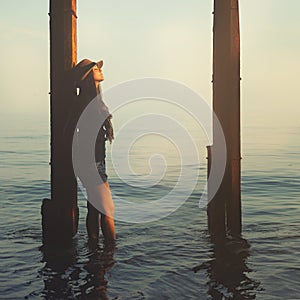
[(60, 214), (224, 210)]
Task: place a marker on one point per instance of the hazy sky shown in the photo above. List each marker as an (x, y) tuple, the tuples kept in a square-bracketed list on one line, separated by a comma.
[(168, 39)]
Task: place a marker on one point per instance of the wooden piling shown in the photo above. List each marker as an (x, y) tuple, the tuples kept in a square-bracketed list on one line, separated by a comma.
[(216, 207), (60, 214), (224, 211)]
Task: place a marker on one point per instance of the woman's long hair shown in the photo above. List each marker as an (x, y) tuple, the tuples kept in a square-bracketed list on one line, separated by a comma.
[(87, 92), (87, 89)]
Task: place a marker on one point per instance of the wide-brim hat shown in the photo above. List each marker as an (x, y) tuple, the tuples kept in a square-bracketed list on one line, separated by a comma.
[(83, 68)]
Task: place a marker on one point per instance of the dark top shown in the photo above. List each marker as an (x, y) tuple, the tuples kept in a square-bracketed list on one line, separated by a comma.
[(97, 113), (100, 145)]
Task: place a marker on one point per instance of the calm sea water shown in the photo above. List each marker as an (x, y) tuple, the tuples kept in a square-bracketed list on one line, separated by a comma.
[(171, 258)]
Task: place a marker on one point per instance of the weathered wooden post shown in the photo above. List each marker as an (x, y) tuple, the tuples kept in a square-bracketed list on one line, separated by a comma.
[(60, 214), (224, 211)]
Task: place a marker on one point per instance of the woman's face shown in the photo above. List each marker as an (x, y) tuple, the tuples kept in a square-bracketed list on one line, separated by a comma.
[(97, 74)]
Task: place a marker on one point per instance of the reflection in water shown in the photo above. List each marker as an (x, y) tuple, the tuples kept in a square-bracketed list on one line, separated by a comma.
[(100, 261), (65, 278), (227, 271)]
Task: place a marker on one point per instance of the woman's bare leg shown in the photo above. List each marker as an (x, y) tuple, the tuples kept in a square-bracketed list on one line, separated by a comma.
[(107, 215), (100, 197), (108, 228), (92, 222)]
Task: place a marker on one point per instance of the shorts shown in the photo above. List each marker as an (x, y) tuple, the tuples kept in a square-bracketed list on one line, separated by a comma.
[(101, 167)]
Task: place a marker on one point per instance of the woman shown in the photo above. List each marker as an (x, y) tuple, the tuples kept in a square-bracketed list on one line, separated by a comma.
[(88, 75)]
